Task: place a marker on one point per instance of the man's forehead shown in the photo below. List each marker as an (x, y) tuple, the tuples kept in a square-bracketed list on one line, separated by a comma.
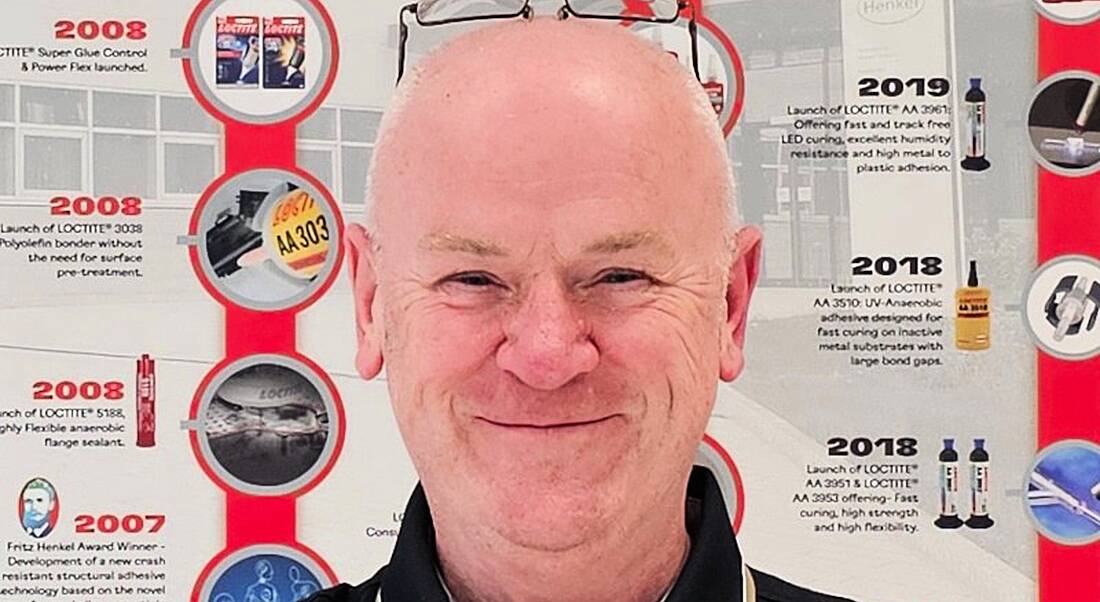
[(544, 113), (543, 92)]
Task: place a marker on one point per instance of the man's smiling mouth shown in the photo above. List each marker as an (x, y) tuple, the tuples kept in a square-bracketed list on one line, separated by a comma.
[(546, 426)]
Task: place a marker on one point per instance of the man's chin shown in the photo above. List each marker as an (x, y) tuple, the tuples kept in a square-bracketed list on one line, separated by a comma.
[(554, 520), (549, 503)]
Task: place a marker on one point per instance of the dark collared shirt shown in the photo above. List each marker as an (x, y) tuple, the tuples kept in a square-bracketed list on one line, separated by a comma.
[(713, 571)]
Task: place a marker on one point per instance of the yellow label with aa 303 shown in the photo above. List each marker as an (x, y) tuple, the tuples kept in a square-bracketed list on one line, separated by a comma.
[(297, 234)]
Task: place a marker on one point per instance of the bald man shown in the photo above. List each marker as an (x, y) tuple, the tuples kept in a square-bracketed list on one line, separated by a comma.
[(555, 278)]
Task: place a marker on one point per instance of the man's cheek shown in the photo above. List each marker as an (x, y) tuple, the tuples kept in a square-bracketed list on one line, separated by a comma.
[(656, 341), (447, 339)]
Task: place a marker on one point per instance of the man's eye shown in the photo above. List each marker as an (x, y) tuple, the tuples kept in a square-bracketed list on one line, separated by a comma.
[(622, 277), (472, 279)]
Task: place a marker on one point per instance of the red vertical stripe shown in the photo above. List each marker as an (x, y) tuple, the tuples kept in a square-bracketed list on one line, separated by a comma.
[(248, 332), (1068, 220), (255, 519), (255, 146), (252, 520)]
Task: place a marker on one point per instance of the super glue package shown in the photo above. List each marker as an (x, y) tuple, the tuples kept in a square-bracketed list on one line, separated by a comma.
[(238, 51), (284, 52)]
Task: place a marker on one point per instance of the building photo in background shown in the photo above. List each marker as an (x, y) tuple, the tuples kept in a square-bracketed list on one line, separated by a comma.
[(39, 508), (265, 239), (1064, 123), (267, 425)]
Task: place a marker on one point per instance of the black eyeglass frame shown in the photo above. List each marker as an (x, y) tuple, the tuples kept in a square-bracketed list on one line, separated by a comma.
[(566, 11)]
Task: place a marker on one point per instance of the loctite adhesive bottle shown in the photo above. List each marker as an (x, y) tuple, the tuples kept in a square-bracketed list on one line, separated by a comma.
[(146, 402), (949, 487), (972, 314), (979, 487), (716, 90), (975, 121)]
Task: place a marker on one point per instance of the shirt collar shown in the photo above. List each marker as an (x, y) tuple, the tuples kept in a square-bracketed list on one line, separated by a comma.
[(451, 598), (712, 571)]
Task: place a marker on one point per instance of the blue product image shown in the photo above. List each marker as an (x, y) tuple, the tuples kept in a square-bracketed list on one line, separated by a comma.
[(265, 578), (1059, 494)]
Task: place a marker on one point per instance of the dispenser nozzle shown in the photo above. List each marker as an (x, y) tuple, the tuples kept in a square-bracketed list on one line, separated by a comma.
[(1072, 308), (1086, 109)]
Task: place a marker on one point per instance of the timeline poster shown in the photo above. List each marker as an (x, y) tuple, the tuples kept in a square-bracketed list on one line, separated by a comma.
[(180, 417)]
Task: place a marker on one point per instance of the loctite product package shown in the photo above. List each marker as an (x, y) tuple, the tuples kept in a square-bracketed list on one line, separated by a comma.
[(284, 52), (238, 51)]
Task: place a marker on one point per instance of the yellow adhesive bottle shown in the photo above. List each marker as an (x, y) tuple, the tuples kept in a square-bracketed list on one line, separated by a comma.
[(972, 314)]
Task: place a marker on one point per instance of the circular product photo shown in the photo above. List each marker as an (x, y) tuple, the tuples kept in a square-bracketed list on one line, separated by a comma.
[(1069, 12), (1063, 123), (264, 574), (267, 425), (1062, 489), (1062, 307), (258, 61), (268, 239)]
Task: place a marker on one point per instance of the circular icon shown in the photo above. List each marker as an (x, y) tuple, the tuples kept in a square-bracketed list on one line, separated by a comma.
[(712, 456), (268, 239), (1069, 12), (1062, 307), (1063, 123), (260, 61), (1063, 486), (267, 425), (266, 573), (39, 507)]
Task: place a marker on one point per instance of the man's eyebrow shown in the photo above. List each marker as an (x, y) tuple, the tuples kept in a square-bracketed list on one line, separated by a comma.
[(626, 241), (444, 241)]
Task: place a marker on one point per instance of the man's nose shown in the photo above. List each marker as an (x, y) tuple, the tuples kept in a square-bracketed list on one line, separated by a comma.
[(547, 342)]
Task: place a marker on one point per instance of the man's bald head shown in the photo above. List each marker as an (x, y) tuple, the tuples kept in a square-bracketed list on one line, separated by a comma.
[(517, 100)]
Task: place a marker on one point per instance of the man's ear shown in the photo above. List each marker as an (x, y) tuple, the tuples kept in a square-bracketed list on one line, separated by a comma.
[(742, 280), (364, 287)]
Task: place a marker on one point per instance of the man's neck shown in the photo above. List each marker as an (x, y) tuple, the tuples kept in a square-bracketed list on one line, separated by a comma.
[(631, 563)]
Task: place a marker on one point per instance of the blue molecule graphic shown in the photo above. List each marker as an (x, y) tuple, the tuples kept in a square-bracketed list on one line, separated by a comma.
[(265, 578)]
